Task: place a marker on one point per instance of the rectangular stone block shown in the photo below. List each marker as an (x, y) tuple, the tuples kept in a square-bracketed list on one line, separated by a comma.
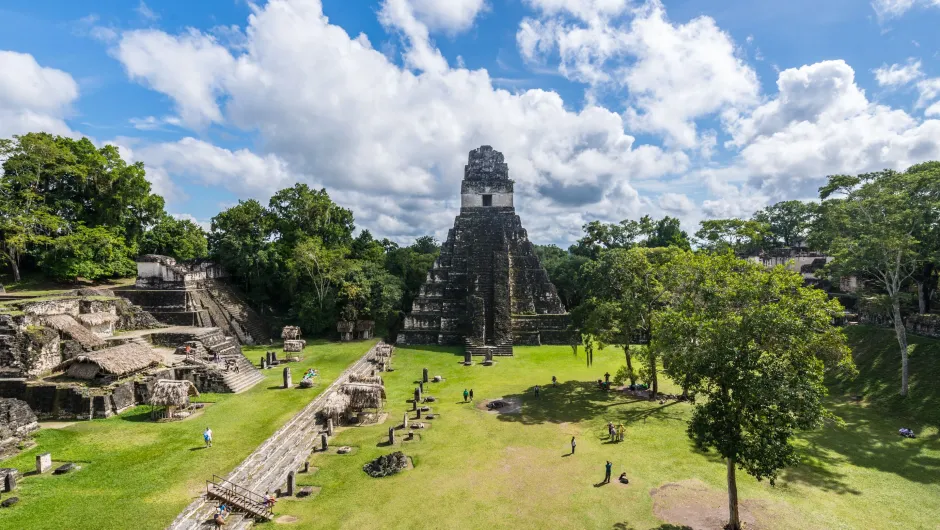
[(43, 463)]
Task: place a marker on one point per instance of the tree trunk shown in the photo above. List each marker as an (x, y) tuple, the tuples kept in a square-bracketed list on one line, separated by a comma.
[(626, 352), (654, 386), (734, 520), (15, 266), (902, 342), (924, 288)]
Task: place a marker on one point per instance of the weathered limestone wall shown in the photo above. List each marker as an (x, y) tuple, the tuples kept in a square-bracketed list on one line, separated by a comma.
[(27, 349), (65, 306), (17, 422)]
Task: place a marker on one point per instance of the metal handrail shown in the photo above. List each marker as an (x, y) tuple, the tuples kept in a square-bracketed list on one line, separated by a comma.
[(252, 498)]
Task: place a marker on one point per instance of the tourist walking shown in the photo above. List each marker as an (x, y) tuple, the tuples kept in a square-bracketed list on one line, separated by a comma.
[(465, 395), (554, 381), (607, 378), (610, 431), (471, 394), (621, 430), (607, 472), (573, 444), (536, 390), (207, 436)]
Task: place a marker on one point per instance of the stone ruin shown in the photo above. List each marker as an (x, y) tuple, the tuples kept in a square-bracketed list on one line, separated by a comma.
[(497, 404), (194, 293), (487, 290), (62, 357), (17, 422), (290, 333), (294, 346), (350, 330), (386, 465)]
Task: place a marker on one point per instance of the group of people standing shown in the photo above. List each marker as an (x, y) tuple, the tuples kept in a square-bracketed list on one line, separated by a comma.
[(617, 433)]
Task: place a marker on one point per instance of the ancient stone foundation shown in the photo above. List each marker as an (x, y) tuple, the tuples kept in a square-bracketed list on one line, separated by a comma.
[(487, 290)]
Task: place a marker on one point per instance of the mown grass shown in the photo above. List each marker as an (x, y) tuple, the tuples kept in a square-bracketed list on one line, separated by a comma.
[(139, 474), (474, 469), (878, 359)]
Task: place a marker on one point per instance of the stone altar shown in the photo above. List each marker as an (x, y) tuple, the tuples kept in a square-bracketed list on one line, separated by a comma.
[(487, 290)]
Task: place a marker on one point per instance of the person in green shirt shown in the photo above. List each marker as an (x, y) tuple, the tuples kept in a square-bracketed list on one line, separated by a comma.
[(465, 395)]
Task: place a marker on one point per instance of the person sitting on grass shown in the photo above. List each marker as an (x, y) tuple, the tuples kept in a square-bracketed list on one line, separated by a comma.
[(623, 478)]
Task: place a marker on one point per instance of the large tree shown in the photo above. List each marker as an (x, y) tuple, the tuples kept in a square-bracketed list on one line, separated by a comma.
[(563, 270), (738, 235), (872, 231), (752, 344), (625, 288), (240, 241), (787, 222), (181, 239)]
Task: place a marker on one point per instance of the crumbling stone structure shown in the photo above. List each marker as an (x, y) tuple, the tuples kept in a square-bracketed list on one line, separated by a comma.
[(194, 294), (17, 422), (487, 290)]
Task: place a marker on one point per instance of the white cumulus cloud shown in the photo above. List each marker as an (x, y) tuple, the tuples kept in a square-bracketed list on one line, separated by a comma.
[(33, 97), (898, 75)]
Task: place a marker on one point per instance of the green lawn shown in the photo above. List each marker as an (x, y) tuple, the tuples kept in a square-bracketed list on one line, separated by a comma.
[(878, 359), (139, 474), (474, 469)]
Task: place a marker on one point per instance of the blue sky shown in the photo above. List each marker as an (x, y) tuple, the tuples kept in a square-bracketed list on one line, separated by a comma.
[(605, 109)]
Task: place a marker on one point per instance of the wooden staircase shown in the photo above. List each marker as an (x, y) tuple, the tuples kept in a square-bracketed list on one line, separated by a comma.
[(239, 499)]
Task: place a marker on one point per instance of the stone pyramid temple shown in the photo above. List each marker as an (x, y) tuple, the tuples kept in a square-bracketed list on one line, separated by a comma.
[(487, 290)]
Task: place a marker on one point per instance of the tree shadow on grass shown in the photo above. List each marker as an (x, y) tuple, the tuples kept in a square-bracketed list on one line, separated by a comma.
[(871, 440), (666, 526), (574, 401), (818, 470)]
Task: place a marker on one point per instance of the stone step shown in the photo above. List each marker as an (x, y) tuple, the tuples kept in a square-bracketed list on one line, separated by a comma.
[(267, 467)]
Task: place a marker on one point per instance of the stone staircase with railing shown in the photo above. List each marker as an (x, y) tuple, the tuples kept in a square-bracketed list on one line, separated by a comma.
[(266, 469), (238, 498)]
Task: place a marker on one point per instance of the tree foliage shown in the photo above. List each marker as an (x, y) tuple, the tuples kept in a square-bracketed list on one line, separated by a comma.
[(787, 222), (752, 345), (57, 187), (92, 253), (181, 239), (881, 226), (737, 235)]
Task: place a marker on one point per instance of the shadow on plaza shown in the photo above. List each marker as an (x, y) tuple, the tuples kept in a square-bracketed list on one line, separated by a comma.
[(868, 440), (574, 401)]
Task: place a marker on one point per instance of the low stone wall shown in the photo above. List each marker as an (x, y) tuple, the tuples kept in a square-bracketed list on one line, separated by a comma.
[(925, 325)]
